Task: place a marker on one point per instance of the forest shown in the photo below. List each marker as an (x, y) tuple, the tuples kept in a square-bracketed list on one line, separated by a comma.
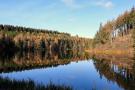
[(123, 25), (16, 38)]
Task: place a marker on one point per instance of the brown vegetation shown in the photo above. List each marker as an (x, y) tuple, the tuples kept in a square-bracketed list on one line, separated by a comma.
[(117, 36)]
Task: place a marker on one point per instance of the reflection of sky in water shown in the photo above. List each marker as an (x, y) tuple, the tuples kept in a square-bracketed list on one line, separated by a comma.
[(81, 75)]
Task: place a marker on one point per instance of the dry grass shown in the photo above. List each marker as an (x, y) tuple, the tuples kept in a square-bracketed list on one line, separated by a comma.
[(128, 53)]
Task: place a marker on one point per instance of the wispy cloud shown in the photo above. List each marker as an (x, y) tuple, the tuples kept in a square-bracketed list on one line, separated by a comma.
[(71, 19), (72, 4), (76, 4), (69, 2), (104, 3)]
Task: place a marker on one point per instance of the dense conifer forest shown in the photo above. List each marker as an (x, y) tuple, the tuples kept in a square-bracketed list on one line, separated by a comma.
[(16, 38)]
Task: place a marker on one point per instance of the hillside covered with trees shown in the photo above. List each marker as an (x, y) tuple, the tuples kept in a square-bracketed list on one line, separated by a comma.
[(15, 38), (117, 34)]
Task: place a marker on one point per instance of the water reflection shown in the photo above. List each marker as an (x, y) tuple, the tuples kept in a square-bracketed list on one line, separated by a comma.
[(28, 60), (73, 70), (117, 69)]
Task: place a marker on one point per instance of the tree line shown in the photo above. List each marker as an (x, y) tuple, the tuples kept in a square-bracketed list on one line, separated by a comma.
[(124, 24), (14, 38)]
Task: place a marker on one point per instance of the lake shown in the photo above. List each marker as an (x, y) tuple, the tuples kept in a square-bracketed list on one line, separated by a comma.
[(76, 72)]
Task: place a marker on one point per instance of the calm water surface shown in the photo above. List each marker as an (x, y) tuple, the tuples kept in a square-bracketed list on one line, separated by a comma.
[(80, 75), (91, 74)]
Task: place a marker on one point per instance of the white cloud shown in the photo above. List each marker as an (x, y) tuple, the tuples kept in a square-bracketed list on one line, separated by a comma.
[(72, 4), (69, 2), (104, 3), (71, 19), (75, 4)]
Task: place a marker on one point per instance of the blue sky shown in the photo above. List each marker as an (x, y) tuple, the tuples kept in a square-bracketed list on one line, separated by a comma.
[(78, 17)]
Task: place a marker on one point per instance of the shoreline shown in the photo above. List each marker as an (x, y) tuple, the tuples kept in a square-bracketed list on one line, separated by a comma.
[(110, 52)]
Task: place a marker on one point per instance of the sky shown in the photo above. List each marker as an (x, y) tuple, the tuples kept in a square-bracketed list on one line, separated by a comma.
[(77, 17)]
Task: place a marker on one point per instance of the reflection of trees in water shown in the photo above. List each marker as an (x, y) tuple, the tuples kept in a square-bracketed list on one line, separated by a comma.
[(36, 59), (28, 85), (133, 64), (123, 76)]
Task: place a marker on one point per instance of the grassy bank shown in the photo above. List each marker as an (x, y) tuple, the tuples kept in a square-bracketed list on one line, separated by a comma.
[(118, 52)]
